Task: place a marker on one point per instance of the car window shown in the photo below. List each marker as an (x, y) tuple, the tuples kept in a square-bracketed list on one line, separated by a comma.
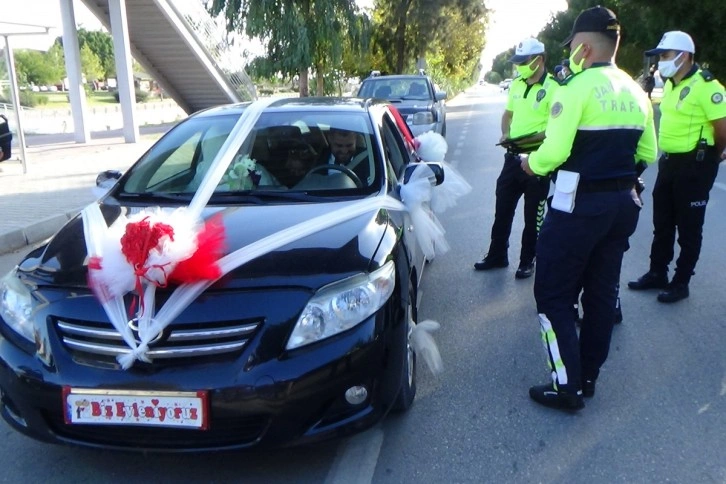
[(307, 151), (415, 88), (393, 145)]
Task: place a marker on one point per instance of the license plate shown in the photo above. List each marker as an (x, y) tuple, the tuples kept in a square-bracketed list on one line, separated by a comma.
[(126, 407)]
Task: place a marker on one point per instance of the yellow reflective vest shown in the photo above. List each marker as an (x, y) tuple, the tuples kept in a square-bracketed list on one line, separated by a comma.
[(600, 125), (687, 110)]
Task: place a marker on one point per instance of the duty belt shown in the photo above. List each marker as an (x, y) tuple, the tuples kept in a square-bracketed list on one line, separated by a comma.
[(609, 185)]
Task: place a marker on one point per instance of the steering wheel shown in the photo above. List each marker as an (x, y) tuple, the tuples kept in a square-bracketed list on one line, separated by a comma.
[(341, 168)]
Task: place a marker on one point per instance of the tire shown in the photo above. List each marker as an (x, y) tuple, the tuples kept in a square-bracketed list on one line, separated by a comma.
[(407, 393), (443, 130)]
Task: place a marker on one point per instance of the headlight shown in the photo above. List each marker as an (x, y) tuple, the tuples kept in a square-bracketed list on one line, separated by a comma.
[(340, 306), (16, 305), (424, 117)]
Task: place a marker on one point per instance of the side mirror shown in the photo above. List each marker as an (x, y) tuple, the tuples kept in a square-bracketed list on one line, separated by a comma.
[(436, 168), (440, 95), (105, 181)]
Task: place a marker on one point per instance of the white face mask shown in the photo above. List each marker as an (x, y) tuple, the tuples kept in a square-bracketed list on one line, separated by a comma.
[(668, 68)]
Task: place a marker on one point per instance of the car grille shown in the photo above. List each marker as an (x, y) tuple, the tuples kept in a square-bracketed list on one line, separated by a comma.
[(178, 342), (222, 432)]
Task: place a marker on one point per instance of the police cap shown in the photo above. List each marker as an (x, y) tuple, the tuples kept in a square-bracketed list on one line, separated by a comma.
[(595, 19)]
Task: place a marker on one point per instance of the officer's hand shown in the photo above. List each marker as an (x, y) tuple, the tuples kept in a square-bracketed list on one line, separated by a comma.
[(503, 138), (525, 164), (723, 154)]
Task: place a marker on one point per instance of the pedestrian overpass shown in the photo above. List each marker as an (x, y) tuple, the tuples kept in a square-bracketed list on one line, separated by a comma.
[(175, 41)]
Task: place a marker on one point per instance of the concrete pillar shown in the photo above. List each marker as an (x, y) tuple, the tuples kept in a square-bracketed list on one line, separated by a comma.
[(76, 90), (124, 72)]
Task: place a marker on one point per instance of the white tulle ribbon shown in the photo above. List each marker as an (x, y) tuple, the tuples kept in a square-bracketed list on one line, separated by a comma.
[(416, 195)]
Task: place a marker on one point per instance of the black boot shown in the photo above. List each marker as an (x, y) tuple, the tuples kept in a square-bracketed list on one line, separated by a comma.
[(650, 280), (525, 270), (491, 262), (674, 292), (549, 397), (588, 388)]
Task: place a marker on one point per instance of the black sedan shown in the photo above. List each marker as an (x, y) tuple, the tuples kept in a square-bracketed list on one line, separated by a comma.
[(297, 332)]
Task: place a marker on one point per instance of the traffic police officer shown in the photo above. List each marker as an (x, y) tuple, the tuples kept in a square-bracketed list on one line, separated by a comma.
[(692, 135), (523, 124), (600, 124)]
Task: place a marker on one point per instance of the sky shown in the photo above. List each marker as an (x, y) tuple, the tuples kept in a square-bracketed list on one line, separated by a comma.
[(514, 20), (511, 21)]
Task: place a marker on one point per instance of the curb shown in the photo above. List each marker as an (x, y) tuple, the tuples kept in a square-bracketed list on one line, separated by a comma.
[(34, 233)]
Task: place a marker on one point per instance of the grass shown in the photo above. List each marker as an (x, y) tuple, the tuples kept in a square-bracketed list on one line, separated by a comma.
[(59, 100)]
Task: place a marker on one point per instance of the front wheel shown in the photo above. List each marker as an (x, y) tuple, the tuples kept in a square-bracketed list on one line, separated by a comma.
[(407, 393), (443, 130)]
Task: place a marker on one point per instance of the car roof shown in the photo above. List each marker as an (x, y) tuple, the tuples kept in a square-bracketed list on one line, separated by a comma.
[(396, 76), (291, 104)]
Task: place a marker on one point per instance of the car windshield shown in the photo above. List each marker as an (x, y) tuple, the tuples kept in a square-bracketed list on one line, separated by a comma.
[(414, 88), (322, 152)]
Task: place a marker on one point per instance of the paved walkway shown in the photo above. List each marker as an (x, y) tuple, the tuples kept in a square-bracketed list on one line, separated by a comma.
[(59, 182)]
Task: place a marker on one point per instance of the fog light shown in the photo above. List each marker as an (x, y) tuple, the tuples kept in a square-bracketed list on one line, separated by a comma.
[(356, 395)]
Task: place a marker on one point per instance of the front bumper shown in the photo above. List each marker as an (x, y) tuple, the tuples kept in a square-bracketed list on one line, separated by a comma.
[(295, 399)]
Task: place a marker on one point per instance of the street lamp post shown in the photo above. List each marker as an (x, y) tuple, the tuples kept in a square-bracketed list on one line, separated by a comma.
[(10, 61)]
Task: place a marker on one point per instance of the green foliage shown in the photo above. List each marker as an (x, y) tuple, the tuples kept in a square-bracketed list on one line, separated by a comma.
[(643, 23), (91, 64), (140, 95), (447, 34), (39, 68), (298, 34), (101, 44), (492, 77), (31, 99)]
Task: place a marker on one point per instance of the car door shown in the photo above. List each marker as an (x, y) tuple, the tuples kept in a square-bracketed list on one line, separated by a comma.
[(397, 157)]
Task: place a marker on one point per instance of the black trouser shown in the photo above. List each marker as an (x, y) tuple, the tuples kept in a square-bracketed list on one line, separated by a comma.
[(583, 249), (680, 196), (512, 183)]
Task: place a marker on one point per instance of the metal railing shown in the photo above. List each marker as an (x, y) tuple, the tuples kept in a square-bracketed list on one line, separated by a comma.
[(213, 37)]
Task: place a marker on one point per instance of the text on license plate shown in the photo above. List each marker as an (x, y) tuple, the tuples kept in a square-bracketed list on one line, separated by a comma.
[(124, 407)]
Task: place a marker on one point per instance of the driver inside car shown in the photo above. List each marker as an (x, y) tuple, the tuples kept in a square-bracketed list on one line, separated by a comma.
[(343, 150)]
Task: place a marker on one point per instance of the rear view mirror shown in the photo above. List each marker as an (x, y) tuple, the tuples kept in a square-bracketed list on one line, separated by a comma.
[(440, 95), (436, 168)]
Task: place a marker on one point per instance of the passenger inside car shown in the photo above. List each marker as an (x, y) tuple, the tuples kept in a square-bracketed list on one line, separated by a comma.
[(301, 157), (416, 89)]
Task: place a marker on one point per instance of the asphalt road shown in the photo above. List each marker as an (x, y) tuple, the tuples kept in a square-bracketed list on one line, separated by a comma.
[(659, 414)]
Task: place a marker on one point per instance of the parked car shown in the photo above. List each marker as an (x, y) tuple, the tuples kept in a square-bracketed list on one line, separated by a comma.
[(305, 341), (504, 85), (421, 103)]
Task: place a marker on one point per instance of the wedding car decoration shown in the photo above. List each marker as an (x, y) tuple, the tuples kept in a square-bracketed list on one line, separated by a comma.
[(154, 248)]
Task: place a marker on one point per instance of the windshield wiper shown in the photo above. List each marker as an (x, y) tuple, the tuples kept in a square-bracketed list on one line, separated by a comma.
[(155, 195), (266, 196)]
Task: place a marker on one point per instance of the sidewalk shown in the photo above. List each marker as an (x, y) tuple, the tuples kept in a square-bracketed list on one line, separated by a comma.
[(59, 182)]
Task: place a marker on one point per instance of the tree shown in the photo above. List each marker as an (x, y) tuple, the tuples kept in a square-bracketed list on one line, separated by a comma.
[(453, 56), (299, 34), (101, 44), (38, 68), (90, 64), (407, 30)]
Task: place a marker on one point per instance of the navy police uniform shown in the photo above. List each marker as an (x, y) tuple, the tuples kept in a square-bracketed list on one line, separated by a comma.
[(601, 124), (686, 173)]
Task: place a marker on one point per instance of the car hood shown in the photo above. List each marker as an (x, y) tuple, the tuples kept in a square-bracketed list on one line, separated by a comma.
[(313, 261)]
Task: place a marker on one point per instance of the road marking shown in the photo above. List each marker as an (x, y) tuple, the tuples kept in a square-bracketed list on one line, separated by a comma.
[(457, 152), (356, 460), (722, 186)]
